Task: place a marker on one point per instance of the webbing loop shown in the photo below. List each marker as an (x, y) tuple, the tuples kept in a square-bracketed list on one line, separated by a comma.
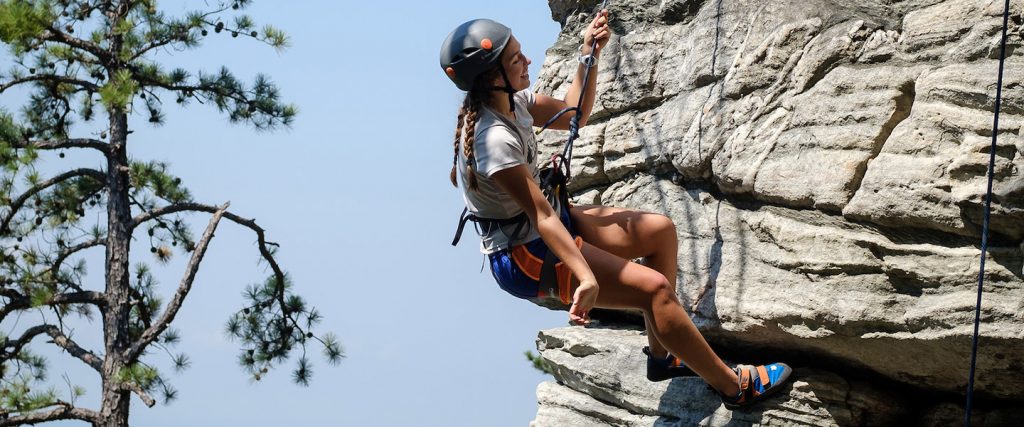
[(521, 221)]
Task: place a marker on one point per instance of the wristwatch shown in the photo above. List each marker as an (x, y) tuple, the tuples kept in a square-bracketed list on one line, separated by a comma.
[(588, 61)]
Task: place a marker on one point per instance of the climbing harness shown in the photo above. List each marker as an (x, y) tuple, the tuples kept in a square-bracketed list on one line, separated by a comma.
[(484, 225), (554, 179), (985, 220)]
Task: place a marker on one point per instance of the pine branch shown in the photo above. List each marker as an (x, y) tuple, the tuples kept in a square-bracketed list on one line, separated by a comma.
[(20, 201), (67, 252), (65, 143), (146, 398), (73, 349), (257, 105), (155, 44), (195, 207), (9, 293), (279, 277), (50, 78), (59, 339), (151, 333), (65, 412), (52, 34), (216, 89), (20, 302), (250, 223)]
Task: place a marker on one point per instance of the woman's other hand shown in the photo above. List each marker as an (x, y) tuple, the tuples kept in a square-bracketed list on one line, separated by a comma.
[(597, 30), (582, 301)]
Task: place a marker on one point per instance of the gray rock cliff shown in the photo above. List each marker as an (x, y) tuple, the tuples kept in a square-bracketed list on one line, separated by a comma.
[(824, 163)]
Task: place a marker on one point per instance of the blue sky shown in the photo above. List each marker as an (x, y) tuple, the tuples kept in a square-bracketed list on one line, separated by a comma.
[(357, 195)]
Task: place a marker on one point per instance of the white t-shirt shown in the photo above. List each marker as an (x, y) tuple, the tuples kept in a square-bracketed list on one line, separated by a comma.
[(500, 143)]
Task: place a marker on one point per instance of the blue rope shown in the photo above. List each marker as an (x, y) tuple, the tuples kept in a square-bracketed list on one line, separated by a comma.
[(988, 209)]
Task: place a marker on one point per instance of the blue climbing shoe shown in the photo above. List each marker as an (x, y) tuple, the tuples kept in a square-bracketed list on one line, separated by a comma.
[(663, 368), (757, 383)]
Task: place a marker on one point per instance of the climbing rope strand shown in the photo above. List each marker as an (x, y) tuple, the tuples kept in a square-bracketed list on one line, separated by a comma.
[(556, 117), (574, 122), (985, 220)]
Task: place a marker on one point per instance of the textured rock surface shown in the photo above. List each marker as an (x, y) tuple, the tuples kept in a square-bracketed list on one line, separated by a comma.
[(603, 379), (878, 112), (896, 303), (824, 163), (600, 381)]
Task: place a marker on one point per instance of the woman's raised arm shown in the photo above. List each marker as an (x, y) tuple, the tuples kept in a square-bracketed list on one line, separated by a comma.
[(545, 107)]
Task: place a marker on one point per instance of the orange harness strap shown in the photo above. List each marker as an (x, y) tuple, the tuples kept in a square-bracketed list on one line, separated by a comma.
[(531, 266)]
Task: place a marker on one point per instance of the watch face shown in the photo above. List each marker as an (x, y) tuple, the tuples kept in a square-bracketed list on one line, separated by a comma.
[(587, 60)]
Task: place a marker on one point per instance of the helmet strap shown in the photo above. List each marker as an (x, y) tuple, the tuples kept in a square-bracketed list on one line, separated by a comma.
[(507, 88)]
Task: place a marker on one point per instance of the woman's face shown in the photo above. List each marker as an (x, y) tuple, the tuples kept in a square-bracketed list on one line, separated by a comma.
[(516, 64)]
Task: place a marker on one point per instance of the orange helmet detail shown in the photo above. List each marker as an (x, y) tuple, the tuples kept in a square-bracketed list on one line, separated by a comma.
[(450, 72), (486, 44)]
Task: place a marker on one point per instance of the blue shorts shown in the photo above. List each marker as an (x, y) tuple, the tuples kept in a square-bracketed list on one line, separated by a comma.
[(517, 270)]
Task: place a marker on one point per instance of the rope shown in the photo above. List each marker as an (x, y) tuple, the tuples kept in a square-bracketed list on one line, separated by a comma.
[(985, 221), (574, 122)]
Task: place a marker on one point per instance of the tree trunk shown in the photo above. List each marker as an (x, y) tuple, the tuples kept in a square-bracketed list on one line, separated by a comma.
[(115, 318), (117, 402)]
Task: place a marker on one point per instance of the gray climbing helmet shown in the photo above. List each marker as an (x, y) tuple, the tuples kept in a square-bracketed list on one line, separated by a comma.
[(473, 48)]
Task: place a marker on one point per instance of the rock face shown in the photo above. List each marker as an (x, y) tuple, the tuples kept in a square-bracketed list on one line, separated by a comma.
[(825, 165), (601, 379)]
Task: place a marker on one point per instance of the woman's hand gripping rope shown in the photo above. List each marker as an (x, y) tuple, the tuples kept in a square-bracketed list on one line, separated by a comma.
[(598, 29), (582, 301)]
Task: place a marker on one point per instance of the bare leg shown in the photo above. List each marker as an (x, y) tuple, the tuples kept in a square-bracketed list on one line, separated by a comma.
[(663, 260), (624, 284), (633, 234)]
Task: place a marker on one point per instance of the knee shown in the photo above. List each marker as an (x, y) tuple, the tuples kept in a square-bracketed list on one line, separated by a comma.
[(665, 228), (659, 291)]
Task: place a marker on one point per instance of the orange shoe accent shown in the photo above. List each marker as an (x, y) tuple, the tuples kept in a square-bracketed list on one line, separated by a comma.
[(744, 384), (762, 373), (486, 44)]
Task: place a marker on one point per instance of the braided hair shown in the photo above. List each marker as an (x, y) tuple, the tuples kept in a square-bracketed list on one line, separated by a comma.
[(465, 127)]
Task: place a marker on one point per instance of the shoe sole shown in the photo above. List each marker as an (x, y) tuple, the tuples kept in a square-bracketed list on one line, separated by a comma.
[(685, 373)]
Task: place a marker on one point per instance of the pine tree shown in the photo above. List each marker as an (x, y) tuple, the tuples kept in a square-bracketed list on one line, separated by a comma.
[(92, 61)]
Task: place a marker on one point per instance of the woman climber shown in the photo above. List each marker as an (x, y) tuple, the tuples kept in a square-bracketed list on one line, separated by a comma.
[(546, 251)]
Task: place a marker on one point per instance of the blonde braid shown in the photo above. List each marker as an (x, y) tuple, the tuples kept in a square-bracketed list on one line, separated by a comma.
[(458, 139), (467, 146), (465, 127)]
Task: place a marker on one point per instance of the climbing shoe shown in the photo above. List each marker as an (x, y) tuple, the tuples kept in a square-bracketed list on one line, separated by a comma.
[(757, 383), (663, 368)]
